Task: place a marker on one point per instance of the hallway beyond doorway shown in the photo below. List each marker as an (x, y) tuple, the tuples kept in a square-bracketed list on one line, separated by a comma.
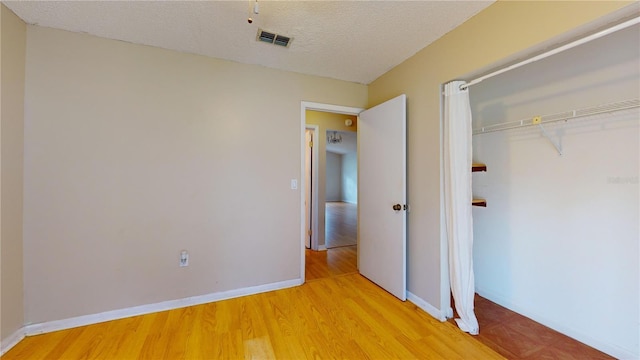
[(330, 263), (341, 224)]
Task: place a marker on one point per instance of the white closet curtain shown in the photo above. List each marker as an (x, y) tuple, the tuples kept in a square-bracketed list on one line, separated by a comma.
[(459, 222)]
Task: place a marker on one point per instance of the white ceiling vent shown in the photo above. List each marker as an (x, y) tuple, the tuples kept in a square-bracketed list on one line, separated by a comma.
[(273, 38)]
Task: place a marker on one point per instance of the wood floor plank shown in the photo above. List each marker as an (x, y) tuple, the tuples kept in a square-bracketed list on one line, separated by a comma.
[(124, 336), (308, 336), (154, 344), (95, 341), (276, 324), (198, 345), (333, 262), (419, 349), (258, 348), (32, 347), (375, 332), (181, 329), (407, 328), (330, 334), (63, 344), (331, 317)]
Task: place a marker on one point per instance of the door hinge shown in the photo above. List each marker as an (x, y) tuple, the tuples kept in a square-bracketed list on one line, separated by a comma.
[(309, 232), (310, 144)]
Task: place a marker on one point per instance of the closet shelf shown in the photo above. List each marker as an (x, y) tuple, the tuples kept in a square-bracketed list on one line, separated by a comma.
[(563, 116), (476, 167), (479, 202)]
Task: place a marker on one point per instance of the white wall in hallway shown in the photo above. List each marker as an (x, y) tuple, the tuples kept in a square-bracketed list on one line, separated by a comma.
[(350, 178), (334, 177)]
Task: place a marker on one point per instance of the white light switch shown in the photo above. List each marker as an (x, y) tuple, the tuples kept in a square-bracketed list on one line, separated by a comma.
[(294, 184), (184, 258)]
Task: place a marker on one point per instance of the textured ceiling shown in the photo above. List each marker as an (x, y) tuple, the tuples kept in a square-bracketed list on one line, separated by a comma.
[(349, 40)]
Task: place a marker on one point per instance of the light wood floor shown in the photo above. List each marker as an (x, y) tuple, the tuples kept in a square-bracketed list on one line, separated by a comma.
[(341, 256), (344, 317), (333, 262), (341, 224)]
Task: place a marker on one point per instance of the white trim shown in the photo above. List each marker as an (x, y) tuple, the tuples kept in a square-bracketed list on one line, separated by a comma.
[(422, 304), (56, 325), (304, 106), (322, 247), (12, 340), (303, 189), (445, 281), (608, 348), (347, 110), (314, 191), (449, 312)]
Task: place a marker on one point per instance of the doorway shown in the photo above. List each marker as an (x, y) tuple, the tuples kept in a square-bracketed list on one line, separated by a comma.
[(341, 179), (382, 210), (310, 178), (314, 216)]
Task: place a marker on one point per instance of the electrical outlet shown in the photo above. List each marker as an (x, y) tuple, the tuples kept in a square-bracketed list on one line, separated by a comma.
[(184, 258), (294, 184)]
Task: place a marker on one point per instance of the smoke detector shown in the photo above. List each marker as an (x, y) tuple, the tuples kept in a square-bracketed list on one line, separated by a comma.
[(273, 38)]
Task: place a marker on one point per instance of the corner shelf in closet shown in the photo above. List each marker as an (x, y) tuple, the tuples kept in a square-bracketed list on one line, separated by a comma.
[(477, 168), (479, 202)]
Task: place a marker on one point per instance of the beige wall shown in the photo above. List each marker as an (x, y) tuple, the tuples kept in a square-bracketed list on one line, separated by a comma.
[(333, 178), (326, 121), (134, 153), (12, 60), (496, 33)]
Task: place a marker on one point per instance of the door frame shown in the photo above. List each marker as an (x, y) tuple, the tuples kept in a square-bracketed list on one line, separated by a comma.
[(314, 188), (304, 106)]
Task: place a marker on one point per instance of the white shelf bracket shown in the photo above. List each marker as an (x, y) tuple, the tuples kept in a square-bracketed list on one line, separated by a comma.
[(556, 145)]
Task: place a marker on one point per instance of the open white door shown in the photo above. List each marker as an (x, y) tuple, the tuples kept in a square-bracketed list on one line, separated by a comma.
[(382, 196)]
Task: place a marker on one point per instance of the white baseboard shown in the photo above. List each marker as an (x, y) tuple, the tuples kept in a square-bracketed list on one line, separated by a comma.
[(11, 340), (56, 325), (322, 247), (611, 349), (449, 312), (430, 309)]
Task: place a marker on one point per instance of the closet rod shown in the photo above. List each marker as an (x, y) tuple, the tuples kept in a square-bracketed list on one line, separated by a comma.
[(564, 116), (557, 50)]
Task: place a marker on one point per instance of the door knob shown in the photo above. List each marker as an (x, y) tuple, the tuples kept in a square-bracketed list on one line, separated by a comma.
[(397, 207)]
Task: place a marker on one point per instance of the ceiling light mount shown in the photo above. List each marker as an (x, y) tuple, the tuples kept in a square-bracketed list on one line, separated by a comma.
[(256, 11), (334, 138)]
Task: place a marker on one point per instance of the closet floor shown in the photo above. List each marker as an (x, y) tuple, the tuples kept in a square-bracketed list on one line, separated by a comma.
[(517, 337)]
